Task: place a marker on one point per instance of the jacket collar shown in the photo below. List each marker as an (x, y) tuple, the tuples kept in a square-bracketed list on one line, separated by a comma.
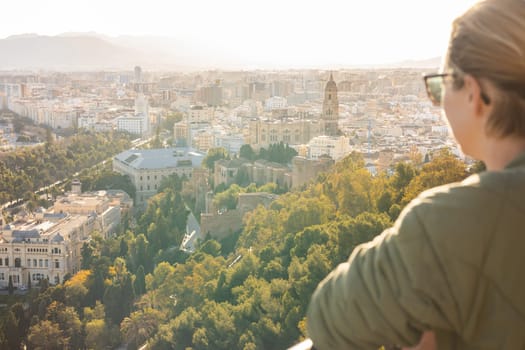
[(519, 161)]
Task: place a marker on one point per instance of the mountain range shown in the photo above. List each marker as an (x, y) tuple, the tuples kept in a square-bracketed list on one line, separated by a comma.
[(93, 51)]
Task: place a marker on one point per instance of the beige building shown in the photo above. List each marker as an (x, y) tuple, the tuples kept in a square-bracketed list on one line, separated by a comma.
[(180, 132), (203, 140), (262, 172), (259, 172), (292, 131), (147, 167), (305, 170), (200, 114), (222, 224), (49, 245), (48, 248), (225, 171)]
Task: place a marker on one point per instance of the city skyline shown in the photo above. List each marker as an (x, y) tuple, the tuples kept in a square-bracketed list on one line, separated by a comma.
[(263, 35)]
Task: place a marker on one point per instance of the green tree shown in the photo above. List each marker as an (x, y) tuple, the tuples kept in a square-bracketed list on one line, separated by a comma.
[(169, 121), (10, 286), (214, 154), (444, 168), (46, 335), (211, 247), (139, 283), (247, 152), (140, 326), (11, 327), (228, 199), (97, 334)]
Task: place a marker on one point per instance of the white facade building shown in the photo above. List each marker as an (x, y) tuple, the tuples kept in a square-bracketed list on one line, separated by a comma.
[(336, 147), (136, 125), (275, 102), (48, 248)]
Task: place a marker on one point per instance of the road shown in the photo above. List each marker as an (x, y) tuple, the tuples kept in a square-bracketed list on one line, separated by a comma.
[(135, 143)]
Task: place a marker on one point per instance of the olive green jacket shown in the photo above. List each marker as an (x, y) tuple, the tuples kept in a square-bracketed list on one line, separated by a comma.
[(454, 263)]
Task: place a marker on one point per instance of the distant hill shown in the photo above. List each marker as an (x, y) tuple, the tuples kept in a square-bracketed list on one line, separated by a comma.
[(434, 62), (83, 51), (62, 53), (94, 51)]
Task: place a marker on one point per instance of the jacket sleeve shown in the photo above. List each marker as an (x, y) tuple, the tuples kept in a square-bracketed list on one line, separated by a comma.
[(388, 292)]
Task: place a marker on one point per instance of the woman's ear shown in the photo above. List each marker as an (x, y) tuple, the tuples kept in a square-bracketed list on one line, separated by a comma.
[(474, 91)]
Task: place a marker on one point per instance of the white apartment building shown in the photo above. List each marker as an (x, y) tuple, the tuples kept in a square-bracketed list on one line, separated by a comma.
[(147, 167), (142, 106), (136, 125), (200, 114), (275, 102), (232, 142), (336, 147)]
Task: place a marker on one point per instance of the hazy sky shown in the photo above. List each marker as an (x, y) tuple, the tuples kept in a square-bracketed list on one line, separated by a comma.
[(279, 32)]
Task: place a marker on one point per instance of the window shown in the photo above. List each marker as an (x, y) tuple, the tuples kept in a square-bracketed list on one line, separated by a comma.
[(57, 264), (18, 262), (2, 277), (46, 263), (1, 262), (6, 260), (40, 263), (34, 262)]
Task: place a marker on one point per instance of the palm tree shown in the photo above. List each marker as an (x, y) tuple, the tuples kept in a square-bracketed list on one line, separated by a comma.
[(140, 326)]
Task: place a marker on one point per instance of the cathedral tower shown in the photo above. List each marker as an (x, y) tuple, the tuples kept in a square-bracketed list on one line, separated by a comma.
[(330, 115)]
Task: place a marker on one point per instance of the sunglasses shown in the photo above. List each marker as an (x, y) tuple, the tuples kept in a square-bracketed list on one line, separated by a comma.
[(434, 84)]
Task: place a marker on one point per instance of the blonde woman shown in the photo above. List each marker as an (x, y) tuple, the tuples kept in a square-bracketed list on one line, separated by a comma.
[(449, 273)]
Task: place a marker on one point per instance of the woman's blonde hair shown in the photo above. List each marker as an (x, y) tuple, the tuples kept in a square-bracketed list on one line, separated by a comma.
[(488, 42)]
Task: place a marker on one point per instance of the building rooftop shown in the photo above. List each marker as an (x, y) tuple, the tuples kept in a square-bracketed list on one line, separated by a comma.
[(161, 158)]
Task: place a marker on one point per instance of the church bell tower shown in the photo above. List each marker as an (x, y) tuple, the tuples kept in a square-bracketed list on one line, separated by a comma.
[(330, 115)]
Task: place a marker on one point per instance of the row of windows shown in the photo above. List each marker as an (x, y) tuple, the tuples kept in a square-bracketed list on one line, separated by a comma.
[(37, 250), (34, 250), (142, 187), (275, 138), (38, 276), (14, 278), (148, 177), (36, 263), (34, 277), (286, 131)]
